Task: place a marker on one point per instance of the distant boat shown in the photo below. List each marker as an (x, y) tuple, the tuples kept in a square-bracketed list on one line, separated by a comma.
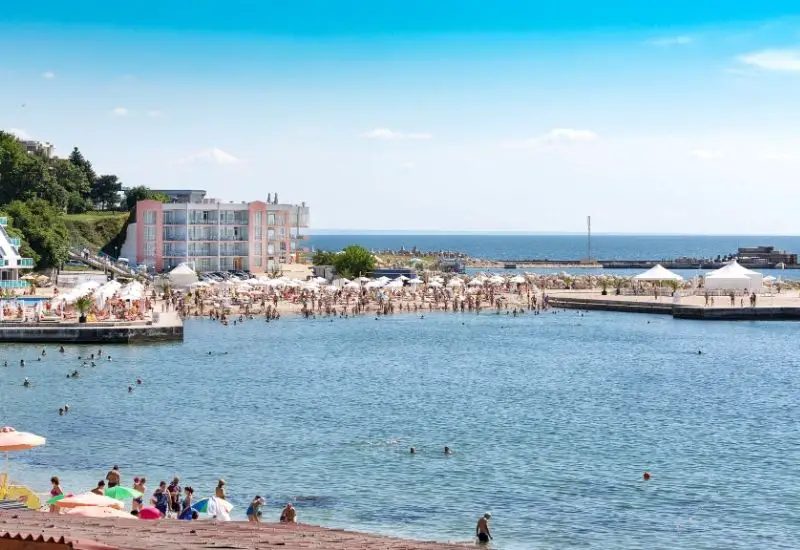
[(509, 266)]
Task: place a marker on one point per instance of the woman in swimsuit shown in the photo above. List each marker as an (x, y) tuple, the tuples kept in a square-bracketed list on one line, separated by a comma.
[(254, 510), (220, 490), (139, 485), (55, 491)]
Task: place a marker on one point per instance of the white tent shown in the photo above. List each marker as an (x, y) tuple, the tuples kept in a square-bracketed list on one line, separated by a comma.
[(658, 273), (734, 277), (517, 279), (455, 282), (182, 276)]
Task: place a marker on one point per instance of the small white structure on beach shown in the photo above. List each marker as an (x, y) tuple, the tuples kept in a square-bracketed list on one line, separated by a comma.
[(182, 276), (734, 277), (658, 273)]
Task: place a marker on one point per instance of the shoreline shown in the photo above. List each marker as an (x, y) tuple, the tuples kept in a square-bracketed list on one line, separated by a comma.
[(134, 534)]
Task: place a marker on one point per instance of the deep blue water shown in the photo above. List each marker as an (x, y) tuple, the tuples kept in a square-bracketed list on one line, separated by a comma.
[(563, 247), (552, 418)]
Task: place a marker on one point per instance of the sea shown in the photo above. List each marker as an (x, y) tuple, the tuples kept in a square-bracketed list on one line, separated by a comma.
[(552, 419), (571, 247)]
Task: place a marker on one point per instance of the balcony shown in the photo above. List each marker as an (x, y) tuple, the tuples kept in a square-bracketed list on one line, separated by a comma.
[(3, 221), (3, 262), (15, 242), (26, 263), (14, 284)]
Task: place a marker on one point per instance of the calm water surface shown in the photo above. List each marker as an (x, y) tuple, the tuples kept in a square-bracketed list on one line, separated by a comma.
[(552, 419)]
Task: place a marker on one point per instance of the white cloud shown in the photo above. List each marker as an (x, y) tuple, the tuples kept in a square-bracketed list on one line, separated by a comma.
[(707, 154), (387, 134), (20, 134), (120, 111), (556, 135), (155, 113), (49, 75), (211, 156), (773, 60), (780, 156), (681, 40)]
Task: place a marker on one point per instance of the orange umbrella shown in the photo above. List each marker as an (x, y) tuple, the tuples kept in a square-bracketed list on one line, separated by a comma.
[(88, 499), (99, 512), (12, 440)]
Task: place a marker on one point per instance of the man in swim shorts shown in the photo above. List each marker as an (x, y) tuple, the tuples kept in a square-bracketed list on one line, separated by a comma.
[(482, 529)]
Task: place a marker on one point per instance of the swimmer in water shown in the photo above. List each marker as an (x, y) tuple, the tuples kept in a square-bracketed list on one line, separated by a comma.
[(44, 352), (26, 383), (646, 476), (139, 381), (22, 362), (61, 349), (61, 411), (130, 389), (447, 451), (66, 408), (482, 529), (413, 451), (109, 358)]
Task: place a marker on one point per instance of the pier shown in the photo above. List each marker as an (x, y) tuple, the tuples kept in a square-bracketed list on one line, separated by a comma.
[(768, 308), (166, 327)]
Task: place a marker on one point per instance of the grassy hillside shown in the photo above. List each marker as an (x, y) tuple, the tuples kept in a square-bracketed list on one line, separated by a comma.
[(97, 230)]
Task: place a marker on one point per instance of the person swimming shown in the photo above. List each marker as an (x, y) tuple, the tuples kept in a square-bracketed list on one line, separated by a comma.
[(139, 381), (447, 450), (26, 383), (22, 362), (61, 349), (130, 389), (413, 451)]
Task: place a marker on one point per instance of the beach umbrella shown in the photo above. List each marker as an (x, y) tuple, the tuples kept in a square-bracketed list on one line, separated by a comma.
[(455, 282), (363, 279), (12, 440), (518, 279), (214, 506), (122, 493), (88, 499), (435, 284), (99, 512), (58, 497), (476, 282), (403, 278), (320, 280), (416, 281), (149, 513)]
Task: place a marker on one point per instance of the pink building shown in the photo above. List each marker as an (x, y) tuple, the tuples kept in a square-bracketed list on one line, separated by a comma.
[(210, 235)]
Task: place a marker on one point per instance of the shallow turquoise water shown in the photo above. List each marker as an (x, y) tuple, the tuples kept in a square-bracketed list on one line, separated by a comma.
[(552, 419)]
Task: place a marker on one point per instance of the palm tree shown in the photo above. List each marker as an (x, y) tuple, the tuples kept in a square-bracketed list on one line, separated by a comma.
[(84, 305)]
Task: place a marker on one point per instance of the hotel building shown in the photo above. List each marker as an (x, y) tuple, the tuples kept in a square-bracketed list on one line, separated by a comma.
[(11, 263), (211, 235)]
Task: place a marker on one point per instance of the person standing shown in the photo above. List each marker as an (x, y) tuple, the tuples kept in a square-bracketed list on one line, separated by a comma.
[(113, 477), (55, 491), (139, 484), (254, 510), (482, 529), (219, 492)]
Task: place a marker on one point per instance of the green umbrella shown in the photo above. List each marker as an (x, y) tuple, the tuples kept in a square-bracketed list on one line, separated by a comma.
[(122, 493), (57, 498)]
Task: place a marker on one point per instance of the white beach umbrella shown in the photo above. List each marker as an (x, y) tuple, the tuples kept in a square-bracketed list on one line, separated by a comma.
[(497, 280), (435, 284), (364, 279), (320, 280), (416, 281), (455, 282), (476, 282), (403, 278), (374, 284), (353, 285), (518, 279), (394, 285)]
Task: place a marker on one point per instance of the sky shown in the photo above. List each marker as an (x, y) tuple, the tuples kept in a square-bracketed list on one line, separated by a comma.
[(412, 115)]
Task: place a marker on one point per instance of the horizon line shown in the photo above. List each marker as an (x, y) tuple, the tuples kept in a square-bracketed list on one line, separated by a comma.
[(426, 232)]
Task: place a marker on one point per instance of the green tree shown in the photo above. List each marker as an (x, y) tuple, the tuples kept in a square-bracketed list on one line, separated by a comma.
[(142, 193), (105, 191), (77, 159), (42, 226), (322, 257), (354, 261)]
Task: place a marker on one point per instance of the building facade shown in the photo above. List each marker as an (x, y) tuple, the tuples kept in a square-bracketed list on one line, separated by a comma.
[(12, 265), (211, 235)]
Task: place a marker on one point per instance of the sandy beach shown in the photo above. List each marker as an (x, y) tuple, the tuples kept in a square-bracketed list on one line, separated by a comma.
[(135, 534)]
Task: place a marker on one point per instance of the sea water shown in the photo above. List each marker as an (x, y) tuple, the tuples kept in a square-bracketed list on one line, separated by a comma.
[(552, 419)]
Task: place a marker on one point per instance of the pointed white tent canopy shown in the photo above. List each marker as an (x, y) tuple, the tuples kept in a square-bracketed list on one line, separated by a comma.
[(182, 276), (517, 279), (734, 277), (658, 273)]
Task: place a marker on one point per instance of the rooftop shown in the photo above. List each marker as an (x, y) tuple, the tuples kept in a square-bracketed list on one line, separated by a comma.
[(121, 534)]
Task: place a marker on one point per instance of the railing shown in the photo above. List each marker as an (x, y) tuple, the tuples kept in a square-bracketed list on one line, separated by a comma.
[(15, 242), (3, 220), (26, 262), (14, 284)]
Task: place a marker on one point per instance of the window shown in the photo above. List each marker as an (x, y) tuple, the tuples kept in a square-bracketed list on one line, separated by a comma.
[(149, 232), (150, 217), (150, 249), (257, 262), (270, 218)]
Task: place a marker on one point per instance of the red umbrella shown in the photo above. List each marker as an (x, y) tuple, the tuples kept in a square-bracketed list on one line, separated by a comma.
[(149, 513)]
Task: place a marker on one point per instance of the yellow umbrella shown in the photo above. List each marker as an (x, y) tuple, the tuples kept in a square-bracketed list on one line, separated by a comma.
[(12, 440)]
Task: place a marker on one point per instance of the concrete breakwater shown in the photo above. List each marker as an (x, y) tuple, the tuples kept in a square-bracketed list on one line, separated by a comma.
[(167, 328), (680, 311)]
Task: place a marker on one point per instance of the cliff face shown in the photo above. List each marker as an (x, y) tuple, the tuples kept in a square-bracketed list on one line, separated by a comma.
[(98, 231)]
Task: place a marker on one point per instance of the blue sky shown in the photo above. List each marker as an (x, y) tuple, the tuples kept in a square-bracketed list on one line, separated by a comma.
[(447, 115)]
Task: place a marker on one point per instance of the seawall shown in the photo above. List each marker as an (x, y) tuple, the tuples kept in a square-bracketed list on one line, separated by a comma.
[(679, 311), (165, 328)]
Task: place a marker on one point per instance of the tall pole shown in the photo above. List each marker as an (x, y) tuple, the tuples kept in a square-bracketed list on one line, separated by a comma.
[(589, 228)]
